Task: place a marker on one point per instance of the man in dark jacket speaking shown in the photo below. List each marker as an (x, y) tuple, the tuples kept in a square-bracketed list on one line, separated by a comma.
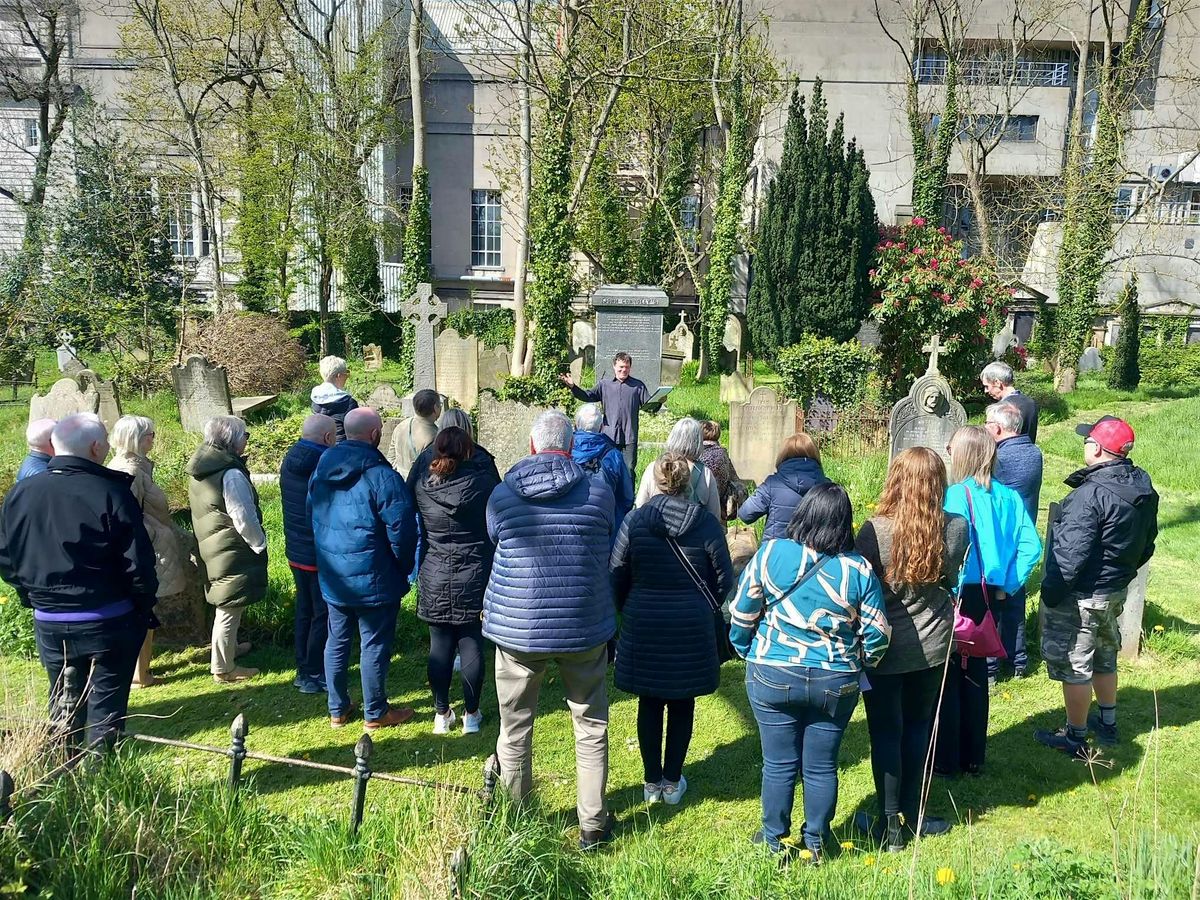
[(1104, 533), (622, 396), (317, 435), (549, 599), (365, 530), (73, 545)]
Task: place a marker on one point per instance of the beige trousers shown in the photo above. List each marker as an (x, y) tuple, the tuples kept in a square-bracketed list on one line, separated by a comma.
[(518, 681), (224, 639)]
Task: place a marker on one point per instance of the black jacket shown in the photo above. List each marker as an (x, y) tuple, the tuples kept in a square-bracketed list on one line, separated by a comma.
[(294, 472), (1105, 531), (73, 539), (455, 552), (667, 647)]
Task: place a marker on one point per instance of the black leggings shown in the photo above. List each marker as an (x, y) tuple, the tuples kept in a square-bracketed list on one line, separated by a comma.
[(679, 715), (899, 715), (443, 641)]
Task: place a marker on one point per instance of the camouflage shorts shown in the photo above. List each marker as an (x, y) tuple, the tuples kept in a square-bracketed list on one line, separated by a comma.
[(1081, 637)]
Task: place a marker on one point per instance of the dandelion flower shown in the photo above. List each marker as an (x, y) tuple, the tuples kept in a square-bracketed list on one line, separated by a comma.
[(945, 876), (847, 845), (886, 870), (1032, 798), (869, 859), (1158, 629), (805, 854), (1006, 695), (1016, 867)]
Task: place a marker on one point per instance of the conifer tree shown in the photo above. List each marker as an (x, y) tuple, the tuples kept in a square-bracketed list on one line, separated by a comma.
[(1124, 372), (817, 234)]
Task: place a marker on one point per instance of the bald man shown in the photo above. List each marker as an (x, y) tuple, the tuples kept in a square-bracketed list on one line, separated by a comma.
[(365, 532), (318, 434), (37, 438)]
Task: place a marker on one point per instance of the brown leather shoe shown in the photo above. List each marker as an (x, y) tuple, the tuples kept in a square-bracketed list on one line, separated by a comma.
[(344, 719), (238, 674), (396, 715)]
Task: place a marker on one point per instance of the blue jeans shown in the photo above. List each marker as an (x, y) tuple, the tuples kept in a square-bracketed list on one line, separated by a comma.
[(377, 631), (1010, 619), (802, 714)]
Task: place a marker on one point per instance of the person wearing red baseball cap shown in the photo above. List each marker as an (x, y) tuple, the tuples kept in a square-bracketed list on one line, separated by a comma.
[(1104, 532)]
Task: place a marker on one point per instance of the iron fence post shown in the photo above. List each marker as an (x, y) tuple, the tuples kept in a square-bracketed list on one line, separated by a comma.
[(6, 791), (362, 773), (237, 751)]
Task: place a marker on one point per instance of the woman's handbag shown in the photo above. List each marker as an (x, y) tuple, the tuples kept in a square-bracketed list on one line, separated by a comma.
[(982, 638), (725, 651)]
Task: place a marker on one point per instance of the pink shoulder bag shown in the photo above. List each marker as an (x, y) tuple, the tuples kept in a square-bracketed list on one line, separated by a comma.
[(982, 638)]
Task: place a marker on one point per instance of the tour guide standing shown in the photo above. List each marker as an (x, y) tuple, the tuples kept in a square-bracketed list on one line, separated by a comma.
[(549, 599), (622, 396), (1104, 533), (73, 545), (365, 531)]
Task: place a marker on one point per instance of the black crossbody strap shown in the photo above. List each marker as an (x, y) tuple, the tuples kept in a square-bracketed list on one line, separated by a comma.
[(713, 604), (812, 570)]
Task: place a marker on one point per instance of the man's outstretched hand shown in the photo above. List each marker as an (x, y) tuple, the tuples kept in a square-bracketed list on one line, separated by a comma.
[(566, 379)]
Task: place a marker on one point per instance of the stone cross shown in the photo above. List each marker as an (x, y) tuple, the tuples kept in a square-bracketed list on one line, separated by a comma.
[(424, 309), (934, 349)]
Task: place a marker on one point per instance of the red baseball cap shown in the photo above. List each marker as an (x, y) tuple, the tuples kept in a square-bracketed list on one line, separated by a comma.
[(1111, 433)]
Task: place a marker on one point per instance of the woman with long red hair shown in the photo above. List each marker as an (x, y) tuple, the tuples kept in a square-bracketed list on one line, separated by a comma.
[(917, 551)]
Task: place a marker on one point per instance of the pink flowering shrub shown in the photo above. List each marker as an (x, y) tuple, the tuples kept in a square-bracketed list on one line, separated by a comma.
[(922, 286)]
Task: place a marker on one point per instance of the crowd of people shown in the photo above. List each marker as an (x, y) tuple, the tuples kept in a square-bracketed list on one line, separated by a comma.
[(558, 563)]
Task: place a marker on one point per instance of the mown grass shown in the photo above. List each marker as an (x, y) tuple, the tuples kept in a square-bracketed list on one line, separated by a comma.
[(1036, 825)]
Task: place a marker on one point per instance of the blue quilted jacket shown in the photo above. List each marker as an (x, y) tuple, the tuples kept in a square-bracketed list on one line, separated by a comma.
[(294, 473), (364, 526), (549, 591)]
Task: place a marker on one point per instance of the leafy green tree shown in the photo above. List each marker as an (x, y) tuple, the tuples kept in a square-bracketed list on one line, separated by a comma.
[(604, 228), (1124, 370), (817, 236)]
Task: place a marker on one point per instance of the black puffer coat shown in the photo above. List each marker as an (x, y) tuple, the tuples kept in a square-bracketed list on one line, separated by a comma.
[(454, 551), (667, 647)]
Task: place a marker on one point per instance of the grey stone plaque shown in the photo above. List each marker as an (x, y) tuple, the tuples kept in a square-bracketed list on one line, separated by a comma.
[(109, 408), (504, 429), (458, 367), (929, 415), (629, 318), (757, 429), (202, 391), (63, 399), (493, 367)]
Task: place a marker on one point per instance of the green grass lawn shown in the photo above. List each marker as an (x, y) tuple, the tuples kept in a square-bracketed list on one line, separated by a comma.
[(1036, 824)]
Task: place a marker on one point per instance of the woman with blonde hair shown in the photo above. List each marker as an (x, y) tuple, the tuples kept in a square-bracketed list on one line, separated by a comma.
[(797, 471), (1004, 548), (132, 440), (917, 550)]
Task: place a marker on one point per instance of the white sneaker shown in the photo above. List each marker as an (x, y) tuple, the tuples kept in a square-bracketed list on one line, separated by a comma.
[(457, 663), (472, 722), (651, 792), (673, 793), (443, 724)]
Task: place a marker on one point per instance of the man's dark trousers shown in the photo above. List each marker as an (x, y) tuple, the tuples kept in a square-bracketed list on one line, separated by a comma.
[(312, 624)]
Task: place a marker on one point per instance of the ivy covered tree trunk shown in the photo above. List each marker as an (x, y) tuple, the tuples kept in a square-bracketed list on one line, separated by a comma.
[(1124, 371), (416, 259), (552, 237), (931, 159)]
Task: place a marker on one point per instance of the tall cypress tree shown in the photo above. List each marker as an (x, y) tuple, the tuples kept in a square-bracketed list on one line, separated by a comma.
[(817, 234), (1125, 373)]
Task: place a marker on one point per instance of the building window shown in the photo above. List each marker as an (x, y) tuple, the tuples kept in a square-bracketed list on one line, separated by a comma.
[(1050, 67), (182, 209), (689, 220), (1194, 208), (33, 136), (1127, 201), (1014, 128), (485, 229)]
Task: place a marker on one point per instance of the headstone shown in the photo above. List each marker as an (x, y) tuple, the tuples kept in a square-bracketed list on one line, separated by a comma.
[(583, 334), (868, 334), (629, 318), (1131, 616), (493, 367), (109, 408), (457, 363), (736, 388), (385, 401), (680, 340), (372, 357), (67, 353), (576, 364), (504, 429), (65, 398), (672, 367), (821, 416), (1004, 339), (1091, 361), (424, 309), (929, 415), (182, 615), (734, 339), (385, 436), (757, 428), (202, 390)]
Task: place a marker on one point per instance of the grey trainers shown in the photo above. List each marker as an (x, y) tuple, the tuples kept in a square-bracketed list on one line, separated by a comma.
[(1062, 741), (1105, 734)]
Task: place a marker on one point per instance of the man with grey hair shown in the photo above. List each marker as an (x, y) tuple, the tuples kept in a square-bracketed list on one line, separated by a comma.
[(37, 438), (330, 397), (997, 379), (74, 547), (599, 457), (1019, 466), (227, 520), (549, 599), (317, 435), (364, 526)]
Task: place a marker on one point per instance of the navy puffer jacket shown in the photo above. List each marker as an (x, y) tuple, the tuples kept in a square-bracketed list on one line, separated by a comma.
[(294, 472), (780, 494), (549, 591), (364, 525), (668, 645)]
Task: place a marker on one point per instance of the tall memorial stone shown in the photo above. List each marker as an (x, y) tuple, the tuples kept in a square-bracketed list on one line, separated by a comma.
[(457, 367), (757, 429), (630, 318), (424, 309), (929, 415), (65, 398), (202, 390), (504, 429), (493, 367), (372, 357)]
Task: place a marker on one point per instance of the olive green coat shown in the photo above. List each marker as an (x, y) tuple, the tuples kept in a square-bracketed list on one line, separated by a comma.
[(234, 575)]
